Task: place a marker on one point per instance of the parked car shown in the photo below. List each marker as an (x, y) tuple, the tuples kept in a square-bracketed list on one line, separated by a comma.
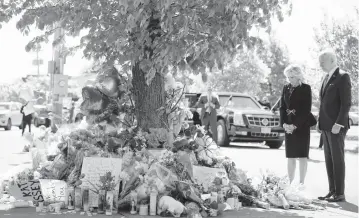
[(353, 118), (10, 115), (41, 116), (241, 118)]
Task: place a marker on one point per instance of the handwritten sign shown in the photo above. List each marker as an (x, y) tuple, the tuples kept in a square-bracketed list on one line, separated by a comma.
[(94, 168), (156, 152), (27, 191), (205, 175), (54, 190), (26, 93)]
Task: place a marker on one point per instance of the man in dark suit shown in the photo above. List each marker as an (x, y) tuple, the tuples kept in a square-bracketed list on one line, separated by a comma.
[(209, 103), (335, 102)]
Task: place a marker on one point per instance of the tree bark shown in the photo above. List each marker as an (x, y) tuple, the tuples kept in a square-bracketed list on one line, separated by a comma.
[(148, 99)]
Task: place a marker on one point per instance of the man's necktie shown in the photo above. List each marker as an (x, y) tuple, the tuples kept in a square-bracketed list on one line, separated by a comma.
[(325, 81)]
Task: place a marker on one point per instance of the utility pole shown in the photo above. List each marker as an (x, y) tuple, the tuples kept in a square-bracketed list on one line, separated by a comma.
[(56, 67), (37, 62)]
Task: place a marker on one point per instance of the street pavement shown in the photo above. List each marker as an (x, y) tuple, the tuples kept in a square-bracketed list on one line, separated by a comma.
[(251, 157)]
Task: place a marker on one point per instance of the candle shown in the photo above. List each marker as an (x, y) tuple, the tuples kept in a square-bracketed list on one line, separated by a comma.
[(153, 202), (85, 199), (78, 199), (101, 202), (71, 196), (220, 197), (109, 203), (144, 210)]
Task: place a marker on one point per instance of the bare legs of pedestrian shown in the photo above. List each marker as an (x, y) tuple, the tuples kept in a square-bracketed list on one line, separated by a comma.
[(303, 165), (291, 168)]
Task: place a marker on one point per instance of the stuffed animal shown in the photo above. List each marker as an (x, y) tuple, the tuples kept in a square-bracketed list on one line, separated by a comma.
[(167, 203)]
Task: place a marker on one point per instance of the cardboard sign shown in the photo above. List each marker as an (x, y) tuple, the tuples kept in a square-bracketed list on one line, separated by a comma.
[(26, 93), (29, 108), (205, 175), (156, 152), (94, 168), (27, 191), (53, 190)]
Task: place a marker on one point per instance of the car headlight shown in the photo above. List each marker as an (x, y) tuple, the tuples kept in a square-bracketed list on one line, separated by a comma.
[(238, 120)]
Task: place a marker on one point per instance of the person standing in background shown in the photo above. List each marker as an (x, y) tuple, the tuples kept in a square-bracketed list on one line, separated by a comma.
[(72, 111), (209, 103)]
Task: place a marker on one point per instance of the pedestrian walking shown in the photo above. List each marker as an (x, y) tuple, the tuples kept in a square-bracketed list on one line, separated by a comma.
[(26, 118), (296, 119), (335, 102)]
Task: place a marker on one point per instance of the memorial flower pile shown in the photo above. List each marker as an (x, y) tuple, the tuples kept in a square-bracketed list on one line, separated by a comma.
[(181, 166)]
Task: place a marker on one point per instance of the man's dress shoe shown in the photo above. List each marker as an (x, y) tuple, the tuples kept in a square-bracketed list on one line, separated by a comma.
[(330, 194), (336, 198)]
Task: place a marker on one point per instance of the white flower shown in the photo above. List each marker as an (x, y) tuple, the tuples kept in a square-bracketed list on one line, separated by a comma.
[(37, 175), (124, 176)]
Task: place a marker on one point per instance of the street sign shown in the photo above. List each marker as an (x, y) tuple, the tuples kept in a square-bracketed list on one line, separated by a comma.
[(37, 62), (60, 84)]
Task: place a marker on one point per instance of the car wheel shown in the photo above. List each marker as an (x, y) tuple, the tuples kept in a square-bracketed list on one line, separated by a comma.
[(275, 145), (36, 123), (223, 140), (351, 122), (9, 125), (47, 123)]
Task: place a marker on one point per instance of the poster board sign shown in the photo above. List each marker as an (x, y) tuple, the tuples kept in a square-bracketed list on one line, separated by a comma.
[(26, 93), (205, 175), (29, 108), (53, 190), (156, 152), (94, 168), (27, 191)]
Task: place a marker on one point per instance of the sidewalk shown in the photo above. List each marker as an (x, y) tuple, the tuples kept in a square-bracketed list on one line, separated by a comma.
[(244, 212)]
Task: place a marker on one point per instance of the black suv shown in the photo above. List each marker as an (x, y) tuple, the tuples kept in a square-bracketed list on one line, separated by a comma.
[(241, 119)]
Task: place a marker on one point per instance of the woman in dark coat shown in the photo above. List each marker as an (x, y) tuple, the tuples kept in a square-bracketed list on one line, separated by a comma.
[(295, 113)]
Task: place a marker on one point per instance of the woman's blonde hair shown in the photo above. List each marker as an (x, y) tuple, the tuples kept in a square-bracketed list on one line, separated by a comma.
[(294, 70)]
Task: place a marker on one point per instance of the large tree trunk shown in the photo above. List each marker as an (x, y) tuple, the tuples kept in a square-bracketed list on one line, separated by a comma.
[(148, 99)]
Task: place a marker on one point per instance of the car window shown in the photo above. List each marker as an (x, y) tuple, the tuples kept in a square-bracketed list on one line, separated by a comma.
[(4, 107), (190, 100), (242, 102)]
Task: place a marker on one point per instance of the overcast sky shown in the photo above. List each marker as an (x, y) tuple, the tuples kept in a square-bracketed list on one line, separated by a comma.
[(296, 32)]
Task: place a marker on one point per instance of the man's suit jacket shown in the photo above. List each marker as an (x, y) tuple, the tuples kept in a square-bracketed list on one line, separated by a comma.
[(335, 101), (203, 100)]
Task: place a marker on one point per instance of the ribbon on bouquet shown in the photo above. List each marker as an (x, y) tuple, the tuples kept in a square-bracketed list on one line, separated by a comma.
[(289, 112)]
